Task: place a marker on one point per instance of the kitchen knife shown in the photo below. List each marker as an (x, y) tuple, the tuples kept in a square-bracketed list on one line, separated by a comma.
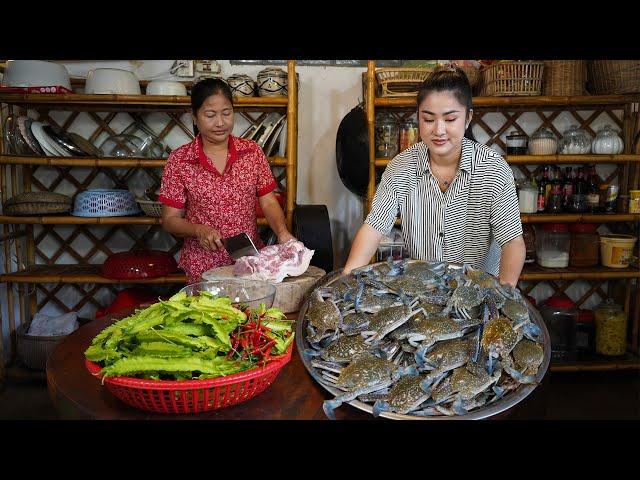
[(239, 246)]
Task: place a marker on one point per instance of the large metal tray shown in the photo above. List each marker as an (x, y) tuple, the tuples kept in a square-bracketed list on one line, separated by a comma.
[(499, 406)]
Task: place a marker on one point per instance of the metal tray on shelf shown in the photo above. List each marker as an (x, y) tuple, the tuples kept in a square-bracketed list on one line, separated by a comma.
[(499, 406)]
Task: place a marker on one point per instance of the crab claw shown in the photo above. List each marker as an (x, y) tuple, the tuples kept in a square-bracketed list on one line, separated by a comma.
[(457, 406), (532, 332), (329, 406), (379, 407), (519, 377), (499, 391), (310, 353), (358, 298)]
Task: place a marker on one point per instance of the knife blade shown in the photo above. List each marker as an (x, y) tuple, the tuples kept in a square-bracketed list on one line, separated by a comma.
[(239, 246)]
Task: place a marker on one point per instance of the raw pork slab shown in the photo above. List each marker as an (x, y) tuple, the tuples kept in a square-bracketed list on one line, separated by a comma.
[(275, 262)]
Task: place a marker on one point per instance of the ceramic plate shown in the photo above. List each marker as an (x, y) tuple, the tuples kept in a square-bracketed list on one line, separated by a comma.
[(36, 129), (272, 120), (275, 134), (63, 141), (282, 150), (24, 125), (60, 150), (85, 145)]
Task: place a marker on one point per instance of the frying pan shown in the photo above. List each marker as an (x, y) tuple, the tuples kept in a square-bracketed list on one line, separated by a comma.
[(352, 151)]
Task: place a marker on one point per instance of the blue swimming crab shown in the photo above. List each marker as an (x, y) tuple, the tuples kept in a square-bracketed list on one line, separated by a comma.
[(366, 374), (443, 357), (388, 319), (344, 349), (353, 323), (528, 357), (469, 381), (323, 316), (464, 299), (431, 329), (405, 395)]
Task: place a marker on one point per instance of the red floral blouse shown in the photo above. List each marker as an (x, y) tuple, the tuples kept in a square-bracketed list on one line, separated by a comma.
[(226, 202)]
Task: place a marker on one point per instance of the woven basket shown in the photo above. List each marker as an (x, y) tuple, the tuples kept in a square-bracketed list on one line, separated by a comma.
[(34, 350), (473, 74), (400, 82), (614, 77), (512, 79), (193, 396), (150, 208), (564, 77), (37, 203)]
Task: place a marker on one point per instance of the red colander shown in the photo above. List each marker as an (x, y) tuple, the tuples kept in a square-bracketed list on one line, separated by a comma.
[(127, 298), (193, 396), (137, 264)]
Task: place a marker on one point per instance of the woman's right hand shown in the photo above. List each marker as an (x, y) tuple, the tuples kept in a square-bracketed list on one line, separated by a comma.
[(209, 238)]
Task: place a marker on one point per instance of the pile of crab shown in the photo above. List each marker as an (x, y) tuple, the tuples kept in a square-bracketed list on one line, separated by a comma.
[(421, 338)]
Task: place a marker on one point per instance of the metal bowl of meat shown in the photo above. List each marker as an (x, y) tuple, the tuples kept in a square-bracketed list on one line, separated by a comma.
[(251, 293), (412, 340)]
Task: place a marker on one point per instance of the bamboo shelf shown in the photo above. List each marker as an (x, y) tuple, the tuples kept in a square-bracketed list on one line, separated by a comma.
[(113, 102), (275, 161), (579, 217), (625, 362), (552, 159), (80, 274), (73, 220), (536, 272), (533, 101)]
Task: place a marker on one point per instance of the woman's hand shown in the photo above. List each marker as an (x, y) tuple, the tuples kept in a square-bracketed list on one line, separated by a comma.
[(209, 238), (285, 236)]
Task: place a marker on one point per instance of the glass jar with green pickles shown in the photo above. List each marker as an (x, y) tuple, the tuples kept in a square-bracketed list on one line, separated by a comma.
[(611, 329)]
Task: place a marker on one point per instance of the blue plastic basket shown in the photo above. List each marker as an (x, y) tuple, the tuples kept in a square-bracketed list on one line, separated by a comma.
[(100, 202)]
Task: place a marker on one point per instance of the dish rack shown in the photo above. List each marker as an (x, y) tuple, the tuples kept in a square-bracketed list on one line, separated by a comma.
[(512, 79), (193, 396), (400, 82), (101, 202), (150, 208)]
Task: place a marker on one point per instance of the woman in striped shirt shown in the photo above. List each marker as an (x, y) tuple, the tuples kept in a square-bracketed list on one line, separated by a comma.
[(456, 197)]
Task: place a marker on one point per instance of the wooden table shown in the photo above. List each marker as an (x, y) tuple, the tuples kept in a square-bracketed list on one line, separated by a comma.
[(294, 395)]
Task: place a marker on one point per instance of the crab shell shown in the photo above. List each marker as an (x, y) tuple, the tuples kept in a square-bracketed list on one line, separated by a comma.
[(528, 355), (365, 371)]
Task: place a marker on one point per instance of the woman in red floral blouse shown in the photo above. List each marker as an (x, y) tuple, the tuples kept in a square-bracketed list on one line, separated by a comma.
[(209, 186)]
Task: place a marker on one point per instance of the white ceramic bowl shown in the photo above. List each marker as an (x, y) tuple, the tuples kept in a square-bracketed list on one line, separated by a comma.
[(165, 87), (112, 80), (35, 73)]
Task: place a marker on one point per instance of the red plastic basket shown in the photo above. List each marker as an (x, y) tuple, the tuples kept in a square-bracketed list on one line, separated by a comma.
[(193, 396), (137, 264)]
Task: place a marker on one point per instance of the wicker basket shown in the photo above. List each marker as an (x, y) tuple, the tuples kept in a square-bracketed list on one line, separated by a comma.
[(37, 203), (400, 82), (193, 396), (34, 350), (473, 74), (564, 77), (512, 79), (150, 208), (614, 77)]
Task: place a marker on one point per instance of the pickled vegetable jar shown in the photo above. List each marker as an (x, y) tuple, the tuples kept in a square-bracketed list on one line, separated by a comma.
[(611, 329)]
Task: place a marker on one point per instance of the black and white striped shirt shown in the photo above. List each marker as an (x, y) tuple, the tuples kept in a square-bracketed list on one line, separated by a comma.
[(469, 222)]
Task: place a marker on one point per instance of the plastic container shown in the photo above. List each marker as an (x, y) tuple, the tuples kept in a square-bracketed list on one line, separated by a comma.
[(543, 142), (553, 245), (634, 201), (561, 317), (586, 331), (516, 143), (101, 202), (611, 329), (386, 138), (583, 251), (616, 250), (139, 264), (528, 198)]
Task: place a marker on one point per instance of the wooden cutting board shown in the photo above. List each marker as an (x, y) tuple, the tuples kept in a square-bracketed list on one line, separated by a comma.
[(289, 292)]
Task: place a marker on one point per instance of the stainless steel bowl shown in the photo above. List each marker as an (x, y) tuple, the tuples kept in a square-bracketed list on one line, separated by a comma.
[(499, 406)]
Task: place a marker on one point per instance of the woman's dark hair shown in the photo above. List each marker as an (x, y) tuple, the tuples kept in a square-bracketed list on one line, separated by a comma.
[(448, 77), (207, 87)]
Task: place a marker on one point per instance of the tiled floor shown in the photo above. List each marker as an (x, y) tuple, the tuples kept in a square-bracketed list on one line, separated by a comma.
[(561, 396)]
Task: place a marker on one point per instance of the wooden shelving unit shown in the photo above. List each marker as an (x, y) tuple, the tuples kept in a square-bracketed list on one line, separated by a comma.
[(17, 175), (547, 108)]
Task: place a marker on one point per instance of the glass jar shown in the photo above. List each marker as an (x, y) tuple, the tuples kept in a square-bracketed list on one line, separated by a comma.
[(386, 136), (560, 316), (611, 329), (584, 245), (575, 141), (607, 142), (516, 143), (409, 134), (585, 331), (529, 237), (528, 198), (552, 245), (543, 142)]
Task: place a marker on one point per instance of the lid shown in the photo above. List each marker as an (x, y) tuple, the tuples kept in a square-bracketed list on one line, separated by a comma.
[(543, 132), (515, 134), (609, 305), (584, 227), (527, 185), (559, 300), (555, 227), (585, 316), (606, 131), (634, 191)]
